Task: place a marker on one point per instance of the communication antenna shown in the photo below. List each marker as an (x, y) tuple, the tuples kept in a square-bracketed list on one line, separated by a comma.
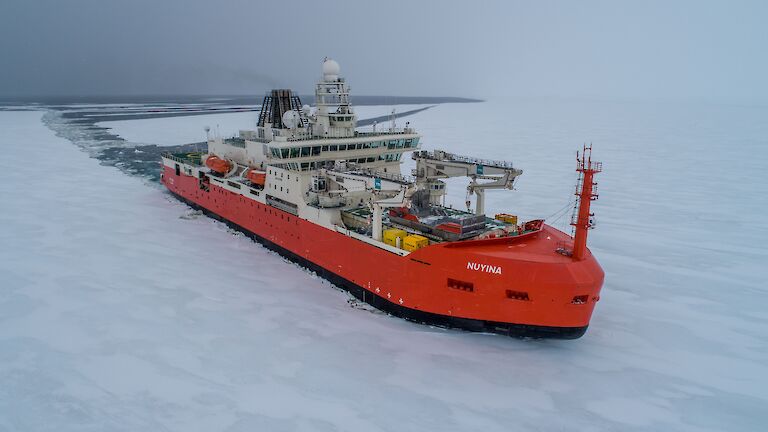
[(392, 121), (207, 138), (291, 119)]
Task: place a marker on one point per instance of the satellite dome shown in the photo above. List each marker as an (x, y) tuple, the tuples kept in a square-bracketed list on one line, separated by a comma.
[(331, 69), (291, 119)]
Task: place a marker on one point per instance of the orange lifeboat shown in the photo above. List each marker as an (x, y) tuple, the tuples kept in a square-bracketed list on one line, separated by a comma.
[(256, 177), (218, 164)]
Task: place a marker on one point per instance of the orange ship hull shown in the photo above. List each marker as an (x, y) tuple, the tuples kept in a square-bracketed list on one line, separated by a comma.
[(518, 286)]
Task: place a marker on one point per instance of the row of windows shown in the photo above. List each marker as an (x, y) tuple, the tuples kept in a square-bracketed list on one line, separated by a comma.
[(510, 294), (296, 152), (460, 285), (311, 166), (281, 174), (340, 117), (281, 189)]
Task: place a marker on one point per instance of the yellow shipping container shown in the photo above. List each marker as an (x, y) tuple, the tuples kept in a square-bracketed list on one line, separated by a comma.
[(391, 235), (508, 218), (413, 242)]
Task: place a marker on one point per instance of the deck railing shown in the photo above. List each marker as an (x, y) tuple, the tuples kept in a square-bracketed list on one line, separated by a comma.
[(195, 158), (445, 156)]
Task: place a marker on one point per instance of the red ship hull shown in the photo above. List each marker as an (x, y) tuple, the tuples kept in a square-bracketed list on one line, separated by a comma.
[(518, 286)]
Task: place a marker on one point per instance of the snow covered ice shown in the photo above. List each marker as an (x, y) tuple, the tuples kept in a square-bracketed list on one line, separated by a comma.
[(188, 129), (120, 309), (180, 130)]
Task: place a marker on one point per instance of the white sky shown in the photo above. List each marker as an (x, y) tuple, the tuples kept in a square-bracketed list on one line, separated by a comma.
[(608, 49)]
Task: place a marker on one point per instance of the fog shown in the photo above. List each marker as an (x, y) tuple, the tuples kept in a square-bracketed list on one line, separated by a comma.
[(684, 50)]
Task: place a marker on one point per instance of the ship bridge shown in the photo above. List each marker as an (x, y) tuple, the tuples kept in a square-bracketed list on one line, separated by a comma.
[(380, 150), (297, 137)]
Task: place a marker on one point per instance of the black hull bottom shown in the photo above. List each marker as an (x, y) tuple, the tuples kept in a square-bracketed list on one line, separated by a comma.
[(394, 309)]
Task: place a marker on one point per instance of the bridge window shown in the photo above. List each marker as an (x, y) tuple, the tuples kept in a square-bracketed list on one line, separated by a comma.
[(305, 151), (334, 147)]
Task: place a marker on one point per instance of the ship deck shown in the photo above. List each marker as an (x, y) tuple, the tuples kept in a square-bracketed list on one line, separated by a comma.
[(358, 218), (192, 158), (533, 246)]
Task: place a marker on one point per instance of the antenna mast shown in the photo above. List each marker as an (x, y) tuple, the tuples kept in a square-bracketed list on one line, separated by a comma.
[(585, 191)]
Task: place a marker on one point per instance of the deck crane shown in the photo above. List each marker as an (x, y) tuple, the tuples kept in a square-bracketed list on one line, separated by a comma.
[(387, 191), (432, 166)]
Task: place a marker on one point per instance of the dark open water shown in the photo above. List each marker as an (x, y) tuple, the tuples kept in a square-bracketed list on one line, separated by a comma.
[(78, 118)]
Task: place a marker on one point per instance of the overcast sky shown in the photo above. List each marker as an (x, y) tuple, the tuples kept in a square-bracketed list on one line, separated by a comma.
[(608, 49)]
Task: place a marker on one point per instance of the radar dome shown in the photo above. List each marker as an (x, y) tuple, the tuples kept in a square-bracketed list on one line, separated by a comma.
[(331, 69), (291, 119)]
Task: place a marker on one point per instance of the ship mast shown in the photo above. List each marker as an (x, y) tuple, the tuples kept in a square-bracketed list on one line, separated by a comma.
[(335, 117), (585, 191)]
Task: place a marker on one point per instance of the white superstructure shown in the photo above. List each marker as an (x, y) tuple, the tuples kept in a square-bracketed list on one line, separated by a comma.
[(319, 166)]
